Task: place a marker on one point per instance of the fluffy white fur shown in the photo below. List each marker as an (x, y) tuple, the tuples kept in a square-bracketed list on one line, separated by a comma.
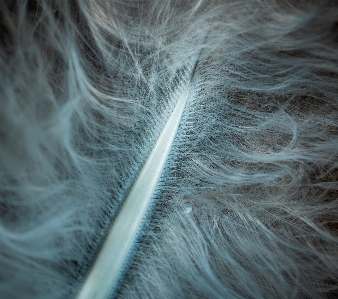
[(247, 207)]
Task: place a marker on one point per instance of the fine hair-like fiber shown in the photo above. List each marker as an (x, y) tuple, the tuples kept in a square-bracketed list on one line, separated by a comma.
[(247, 204)]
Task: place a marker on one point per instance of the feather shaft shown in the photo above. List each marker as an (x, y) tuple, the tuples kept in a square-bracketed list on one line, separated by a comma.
[(108, 266)]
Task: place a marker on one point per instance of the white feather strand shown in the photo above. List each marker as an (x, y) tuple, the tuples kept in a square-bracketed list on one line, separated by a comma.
[(103, 276)]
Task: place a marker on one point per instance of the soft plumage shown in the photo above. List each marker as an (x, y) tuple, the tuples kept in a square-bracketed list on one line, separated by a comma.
[(247, 205)]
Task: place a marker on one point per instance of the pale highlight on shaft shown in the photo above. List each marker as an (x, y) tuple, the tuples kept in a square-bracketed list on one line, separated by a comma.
[(110, 261)]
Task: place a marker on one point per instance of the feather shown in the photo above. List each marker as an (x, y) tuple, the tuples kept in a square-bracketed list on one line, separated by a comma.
[(246, 205), (103, 277)]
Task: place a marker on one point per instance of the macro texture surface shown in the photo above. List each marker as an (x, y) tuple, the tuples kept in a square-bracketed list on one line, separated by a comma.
[(247, 204)]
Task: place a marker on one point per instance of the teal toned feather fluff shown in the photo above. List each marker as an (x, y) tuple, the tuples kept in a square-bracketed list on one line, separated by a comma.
[(247, 203)]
